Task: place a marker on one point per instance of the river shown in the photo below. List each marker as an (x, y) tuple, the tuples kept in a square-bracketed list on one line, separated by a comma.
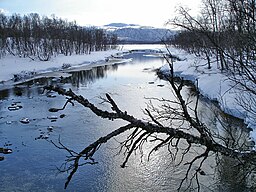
[(33, 164)]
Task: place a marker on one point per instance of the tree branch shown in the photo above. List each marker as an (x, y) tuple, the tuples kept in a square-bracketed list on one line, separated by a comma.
[(137, 138)]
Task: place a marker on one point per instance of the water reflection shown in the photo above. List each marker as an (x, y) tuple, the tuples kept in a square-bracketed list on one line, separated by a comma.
[(233, 175), (78, 78), (34, 159), (82, 78), (4, 94), (229, 174)]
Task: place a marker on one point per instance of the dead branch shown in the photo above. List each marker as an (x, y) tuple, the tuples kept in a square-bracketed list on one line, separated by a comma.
[(137, 138)]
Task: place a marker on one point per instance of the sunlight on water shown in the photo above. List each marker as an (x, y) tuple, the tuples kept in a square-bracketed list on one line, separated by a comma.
[(32, 165)]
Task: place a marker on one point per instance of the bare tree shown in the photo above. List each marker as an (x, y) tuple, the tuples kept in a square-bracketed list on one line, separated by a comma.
[(174, 125), (42, 37), (225, 32)]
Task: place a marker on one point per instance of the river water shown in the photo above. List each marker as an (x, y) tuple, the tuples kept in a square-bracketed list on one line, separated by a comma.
[(33, 164)]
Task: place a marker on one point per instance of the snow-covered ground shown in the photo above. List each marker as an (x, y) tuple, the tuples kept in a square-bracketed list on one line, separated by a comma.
[(10, 65), (212, 84)]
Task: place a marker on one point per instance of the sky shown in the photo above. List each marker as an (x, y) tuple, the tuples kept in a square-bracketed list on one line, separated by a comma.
[(101, 12)]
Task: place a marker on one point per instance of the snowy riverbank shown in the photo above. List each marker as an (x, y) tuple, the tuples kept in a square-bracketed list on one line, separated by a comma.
[(212, 84), (10, 65)]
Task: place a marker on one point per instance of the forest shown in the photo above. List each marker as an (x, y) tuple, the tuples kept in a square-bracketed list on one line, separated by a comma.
[(224, 35), (41, 37)]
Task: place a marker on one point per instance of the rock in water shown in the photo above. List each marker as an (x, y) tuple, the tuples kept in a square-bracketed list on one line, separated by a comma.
[(50, 128), (62, 115), (53, 110), (24, 120), (5, 150), (52, 117), (14, 106)]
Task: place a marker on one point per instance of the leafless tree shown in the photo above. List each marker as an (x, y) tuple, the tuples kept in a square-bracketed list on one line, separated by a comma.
[(174, 125), (225, 30), (34, 36)]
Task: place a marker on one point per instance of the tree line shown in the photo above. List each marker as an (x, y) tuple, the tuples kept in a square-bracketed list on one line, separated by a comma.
[(224, 34), (41, 37), (224, 29)]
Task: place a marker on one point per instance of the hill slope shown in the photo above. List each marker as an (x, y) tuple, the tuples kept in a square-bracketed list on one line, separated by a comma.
[(131, 33)]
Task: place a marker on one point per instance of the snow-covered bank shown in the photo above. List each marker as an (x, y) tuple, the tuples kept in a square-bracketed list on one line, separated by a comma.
[(212, 84), (10, 65)]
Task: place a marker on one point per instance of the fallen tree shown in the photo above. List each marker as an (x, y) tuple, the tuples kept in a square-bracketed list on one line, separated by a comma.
[(140, 131)]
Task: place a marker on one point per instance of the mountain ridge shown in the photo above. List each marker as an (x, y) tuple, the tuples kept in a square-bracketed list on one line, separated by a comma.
[(134, 33), (119, 25)]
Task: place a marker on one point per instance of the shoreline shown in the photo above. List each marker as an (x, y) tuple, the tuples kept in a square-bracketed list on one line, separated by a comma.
[(26, 69), (191, 83), (212, 84), (11, 65)]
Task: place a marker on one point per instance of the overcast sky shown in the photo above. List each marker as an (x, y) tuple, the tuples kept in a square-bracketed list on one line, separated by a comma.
[(100, 12)]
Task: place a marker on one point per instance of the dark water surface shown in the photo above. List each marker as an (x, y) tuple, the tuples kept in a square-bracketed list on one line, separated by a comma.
[(32, 165)]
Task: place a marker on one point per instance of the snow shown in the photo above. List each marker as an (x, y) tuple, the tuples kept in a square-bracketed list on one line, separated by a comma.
[(137, 33), (211, 83), (10, 65)]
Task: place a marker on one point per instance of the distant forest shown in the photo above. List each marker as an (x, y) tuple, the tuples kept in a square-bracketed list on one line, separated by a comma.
[(223, 33), (41, 37)]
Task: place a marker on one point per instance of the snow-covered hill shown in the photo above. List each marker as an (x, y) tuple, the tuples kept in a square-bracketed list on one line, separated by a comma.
[(132, 33)]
